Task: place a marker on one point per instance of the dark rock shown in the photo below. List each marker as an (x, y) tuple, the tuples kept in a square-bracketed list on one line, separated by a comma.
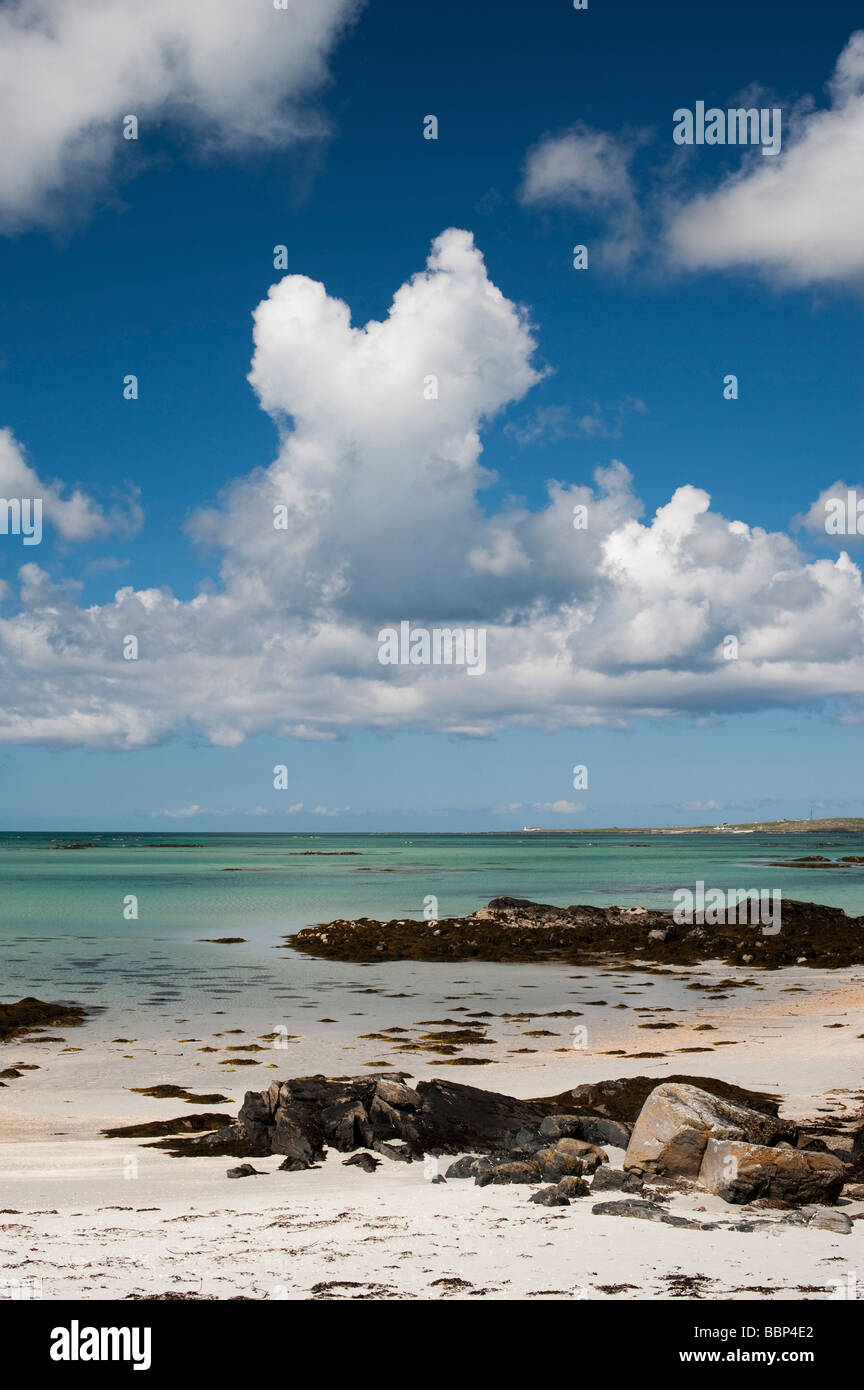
[(347, 1125), (589, 1128), (514, 929), (232, 1141), (528, 1141), (608, 1179), (465, 1167), (569, 1156), (574, 1187), (298, 1118), (31, 1015), (397, 1153), (549, 1197), (643, 1211), (368, 1162), (245, 1170), (624, 1098), (455, 1118), (840, 1145), (181, 1124), (560, 1127), (507, 1173)]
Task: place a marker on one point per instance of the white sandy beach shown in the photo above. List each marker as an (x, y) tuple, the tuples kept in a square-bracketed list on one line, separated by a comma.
[(90, 1217)]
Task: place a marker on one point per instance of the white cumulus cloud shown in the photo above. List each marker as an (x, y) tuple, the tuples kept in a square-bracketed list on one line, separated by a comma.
[(379, 485), (76, 517), (233, 72), (798, 217)]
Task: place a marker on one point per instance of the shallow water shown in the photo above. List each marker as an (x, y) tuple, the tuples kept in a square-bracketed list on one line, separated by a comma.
[(64, 934)]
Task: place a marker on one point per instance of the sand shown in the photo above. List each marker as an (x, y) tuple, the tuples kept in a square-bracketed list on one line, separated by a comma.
[(92, 1218)]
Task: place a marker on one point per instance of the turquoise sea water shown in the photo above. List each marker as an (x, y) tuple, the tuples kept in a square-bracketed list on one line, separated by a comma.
[(64, 935)]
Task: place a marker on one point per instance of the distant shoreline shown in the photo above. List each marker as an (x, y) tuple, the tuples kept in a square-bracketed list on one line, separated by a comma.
[(83, 839), (848, 824)]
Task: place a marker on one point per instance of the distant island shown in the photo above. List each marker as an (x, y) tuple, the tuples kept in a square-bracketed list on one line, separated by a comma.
[(850, 824)]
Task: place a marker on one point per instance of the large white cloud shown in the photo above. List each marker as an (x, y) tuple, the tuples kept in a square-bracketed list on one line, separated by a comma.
[(237, 72), (798, 217), (383, 489)]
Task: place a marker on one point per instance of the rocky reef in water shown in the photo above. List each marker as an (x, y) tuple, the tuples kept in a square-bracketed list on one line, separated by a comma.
[(515, 929), (31, 1015)]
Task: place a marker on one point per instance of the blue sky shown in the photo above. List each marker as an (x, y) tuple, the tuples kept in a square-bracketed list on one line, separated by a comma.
[(151, 257)]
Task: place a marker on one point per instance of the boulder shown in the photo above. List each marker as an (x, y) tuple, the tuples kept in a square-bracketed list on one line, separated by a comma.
[(738, 1172), (398, 1153), (507, 1173), (836, 1221), (464, 1167), (840, 1145), (623, 1098), (591, 1129), (642, 1211), (454, 1118), (676, 1122), (574, 1187), (549, 1197), (569, 1157), (368, 1162), (608, 1179)]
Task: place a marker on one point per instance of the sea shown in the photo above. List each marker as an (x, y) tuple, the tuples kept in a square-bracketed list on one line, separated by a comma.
[(127, 921)]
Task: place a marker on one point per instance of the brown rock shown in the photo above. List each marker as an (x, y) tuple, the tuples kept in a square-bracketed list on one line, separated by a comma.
[(738, 1172), (569, 1157), (676, 1122), (508, 1173)]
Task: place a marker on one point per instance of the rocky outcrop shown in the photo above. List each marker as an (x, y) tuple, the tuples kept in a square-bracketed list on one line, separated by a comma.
[(623, 1098), (515, 929), (744, 1153), (676, 1123), (817, 1218), (740, 1172), (302, 1117), (31, 1015)]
